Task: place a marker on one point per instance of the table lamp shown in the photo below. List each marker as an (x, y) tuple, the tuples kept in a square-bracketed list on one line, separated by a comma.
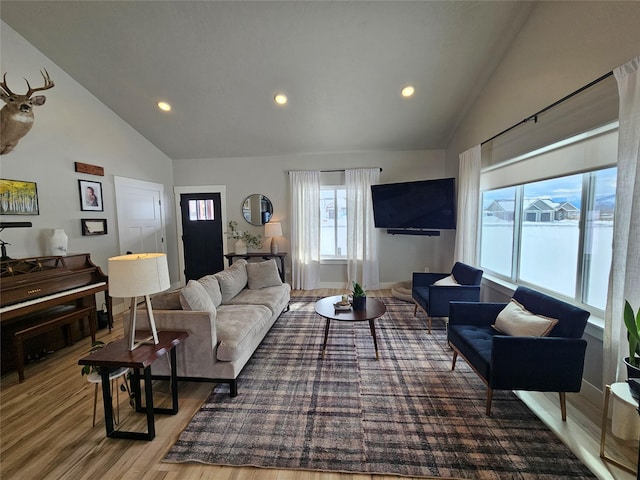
[(273, 230), (139, 275)]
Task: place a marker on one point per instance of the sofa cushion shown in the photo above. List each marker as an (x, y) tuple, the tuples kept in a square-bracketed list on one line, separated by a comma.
[(232, 280), (516, 320), (211, 285), (263, 274), (166, 301), (449, 281), (274, 298), (239, 327), (194, 297)]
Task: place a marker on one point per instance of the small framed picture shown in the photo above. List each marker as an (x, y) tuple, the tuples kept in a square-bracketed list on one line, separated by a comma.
[(94, 226), (90, 196)]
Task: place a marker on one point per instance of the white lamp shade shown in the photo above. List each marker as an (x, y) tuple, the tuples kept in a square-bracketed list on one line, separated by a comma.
[(273, 229), (138, 274)]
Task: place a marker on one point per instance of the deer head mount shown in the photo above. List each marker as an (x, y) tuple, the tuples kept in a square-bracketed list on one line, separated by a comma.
[(16, 117)]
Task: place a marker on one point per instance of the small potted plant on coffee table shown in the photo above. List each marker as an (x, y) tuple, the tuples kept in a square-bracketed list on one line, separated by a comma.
[(359, 297)]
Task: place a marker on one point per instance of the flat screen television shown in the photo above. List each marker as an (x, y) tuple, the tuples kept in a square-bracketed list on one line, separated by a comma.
[(424, 204)]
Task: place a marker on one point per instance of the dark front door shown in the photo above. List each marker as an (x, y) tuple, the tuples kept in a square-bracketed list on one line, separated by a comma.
[(201, 234)]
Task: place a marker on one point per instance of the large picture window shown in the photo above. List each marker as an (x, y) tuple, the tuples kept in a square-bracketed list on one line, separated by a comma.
[(554, 234)]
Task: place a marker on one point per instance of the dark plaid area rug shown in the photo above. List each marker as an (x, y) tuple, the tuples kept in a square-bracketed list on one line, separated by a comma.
[(406, 414)]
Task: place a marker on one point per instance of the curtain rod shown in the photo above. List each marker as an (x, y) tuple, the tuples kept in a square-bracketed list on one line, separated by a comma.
[(535, 115), (328, 171)]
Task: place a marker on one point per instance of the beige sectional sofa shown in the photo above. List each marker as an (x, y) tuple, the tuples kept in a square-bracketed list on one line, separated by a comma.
[(226, 315)]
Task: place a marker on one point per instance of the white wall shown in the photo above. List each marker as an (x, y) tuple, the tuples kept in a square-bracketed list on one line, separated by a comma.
[(73, 126), (399, 254), (562, 46)]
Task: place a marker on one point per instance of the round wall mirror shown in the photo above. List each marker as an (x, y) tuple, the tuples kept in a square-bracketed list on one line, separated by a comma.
[(257, 209)]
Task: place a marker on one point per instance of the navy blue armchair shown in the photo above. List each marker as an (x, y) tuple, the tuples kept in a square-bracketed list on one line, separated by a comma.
[(434, 299), (552, 363)]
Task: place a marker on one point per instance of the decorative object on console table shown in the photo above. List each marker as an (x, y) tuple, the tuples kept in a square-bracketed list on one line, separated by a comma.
[(139, 275), (58, 242), (359, 297), (90, 196), (273, 230)]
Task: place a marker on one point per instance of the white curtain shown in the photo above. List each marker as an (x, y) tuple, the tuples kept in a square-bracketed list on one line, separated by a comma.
[(305, 229), (468, 203), (362, 243), (624, 280)]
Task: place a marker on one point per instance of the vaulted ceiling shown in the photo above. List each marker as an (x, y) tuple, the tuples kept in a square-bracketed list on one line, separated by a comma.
[(341, 64)]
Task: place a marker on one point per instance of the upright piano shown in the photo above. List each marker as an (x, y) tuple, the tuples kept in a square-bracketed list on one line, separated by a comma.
[(45, 301)]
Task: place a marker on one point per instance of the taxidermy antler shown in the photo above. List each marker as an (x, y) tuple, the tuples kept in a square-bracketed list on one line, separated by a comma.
[(16, 117)]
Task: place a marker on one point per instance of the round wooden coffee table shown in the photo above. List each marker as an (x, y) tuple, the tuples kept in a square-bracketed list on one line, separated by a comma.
[(325, 308)]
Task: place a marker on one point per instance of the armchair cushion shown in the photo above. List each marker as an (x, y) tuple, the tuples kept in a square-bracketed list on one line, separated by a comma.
[(516, 320)]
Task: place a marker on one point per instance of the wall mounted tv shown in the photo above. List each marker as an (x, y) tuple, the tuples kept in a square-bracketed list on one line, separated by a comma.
[(415, 206)]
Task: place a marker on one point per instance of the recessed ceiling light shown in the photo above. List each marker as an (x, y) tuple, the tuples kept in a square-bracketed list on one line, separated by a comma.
[(280, 98), (408, 91), (164, 106)]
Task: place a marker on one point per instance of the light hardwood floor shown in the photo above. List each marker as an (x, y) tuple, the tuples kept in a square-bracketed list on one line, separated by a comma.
[(46, 433)]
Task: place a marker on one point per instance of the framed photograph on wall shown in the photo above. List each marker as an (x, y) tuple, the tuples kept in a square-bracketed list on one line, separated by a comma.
[(18, 198), (94, 226), (90, 196)]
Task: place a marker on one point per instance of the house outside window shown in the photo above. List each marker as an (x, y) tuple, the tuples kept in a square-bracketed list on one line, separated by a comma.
[(333, 222), (554, 234)]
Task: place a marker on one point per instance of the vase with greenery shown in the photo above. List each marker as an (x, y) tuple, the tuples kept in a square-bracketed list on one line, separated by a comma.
[(359, 297), (252, 242), (632, 322)]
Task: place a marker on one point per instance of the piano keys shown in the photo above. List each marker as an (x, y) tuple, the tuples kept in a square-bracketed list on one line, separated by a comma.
[(46, 303)]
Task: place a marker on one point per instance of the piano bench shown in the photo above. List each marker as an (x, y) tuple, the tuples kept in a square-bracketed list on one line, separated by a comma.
[(52, 320)]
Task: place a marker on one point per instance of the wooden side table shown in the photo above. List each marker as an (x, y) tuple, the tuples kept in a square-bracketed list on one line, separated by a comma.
[(626, 425), (264, 255), (116, 355)]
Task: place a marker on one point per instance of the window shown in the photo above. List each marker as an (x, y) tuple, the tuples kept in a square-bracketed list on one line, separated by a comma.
[(201, 210), (553, 234), (333, 222)]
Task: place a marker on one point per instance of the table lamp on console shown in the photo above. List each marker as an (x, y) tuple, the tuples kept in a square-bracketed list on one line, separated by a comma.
[(273, 230), (139, 275)]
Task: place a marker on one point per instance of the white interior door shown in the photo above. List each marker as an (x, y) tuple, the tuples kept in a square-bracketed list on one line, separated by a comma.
[(140, 216)]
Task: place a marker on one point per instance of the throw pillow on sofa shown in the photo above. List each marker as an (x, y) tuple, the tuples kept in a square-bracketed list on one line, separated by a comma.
[(194, 297), (263, 274), (211, 285), (232, 280), (516, 320)]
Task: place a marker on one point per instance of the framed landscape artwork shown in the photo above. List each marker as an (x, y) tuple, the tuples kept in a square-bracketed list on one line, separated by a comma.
[(90, 196), (18, 197)]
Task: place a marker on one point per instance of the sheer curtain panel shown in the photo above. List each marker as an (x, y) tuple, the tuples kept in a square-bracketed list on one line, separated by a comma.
[(305, 229), (362, 242), (624, 280), (468, 206)]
